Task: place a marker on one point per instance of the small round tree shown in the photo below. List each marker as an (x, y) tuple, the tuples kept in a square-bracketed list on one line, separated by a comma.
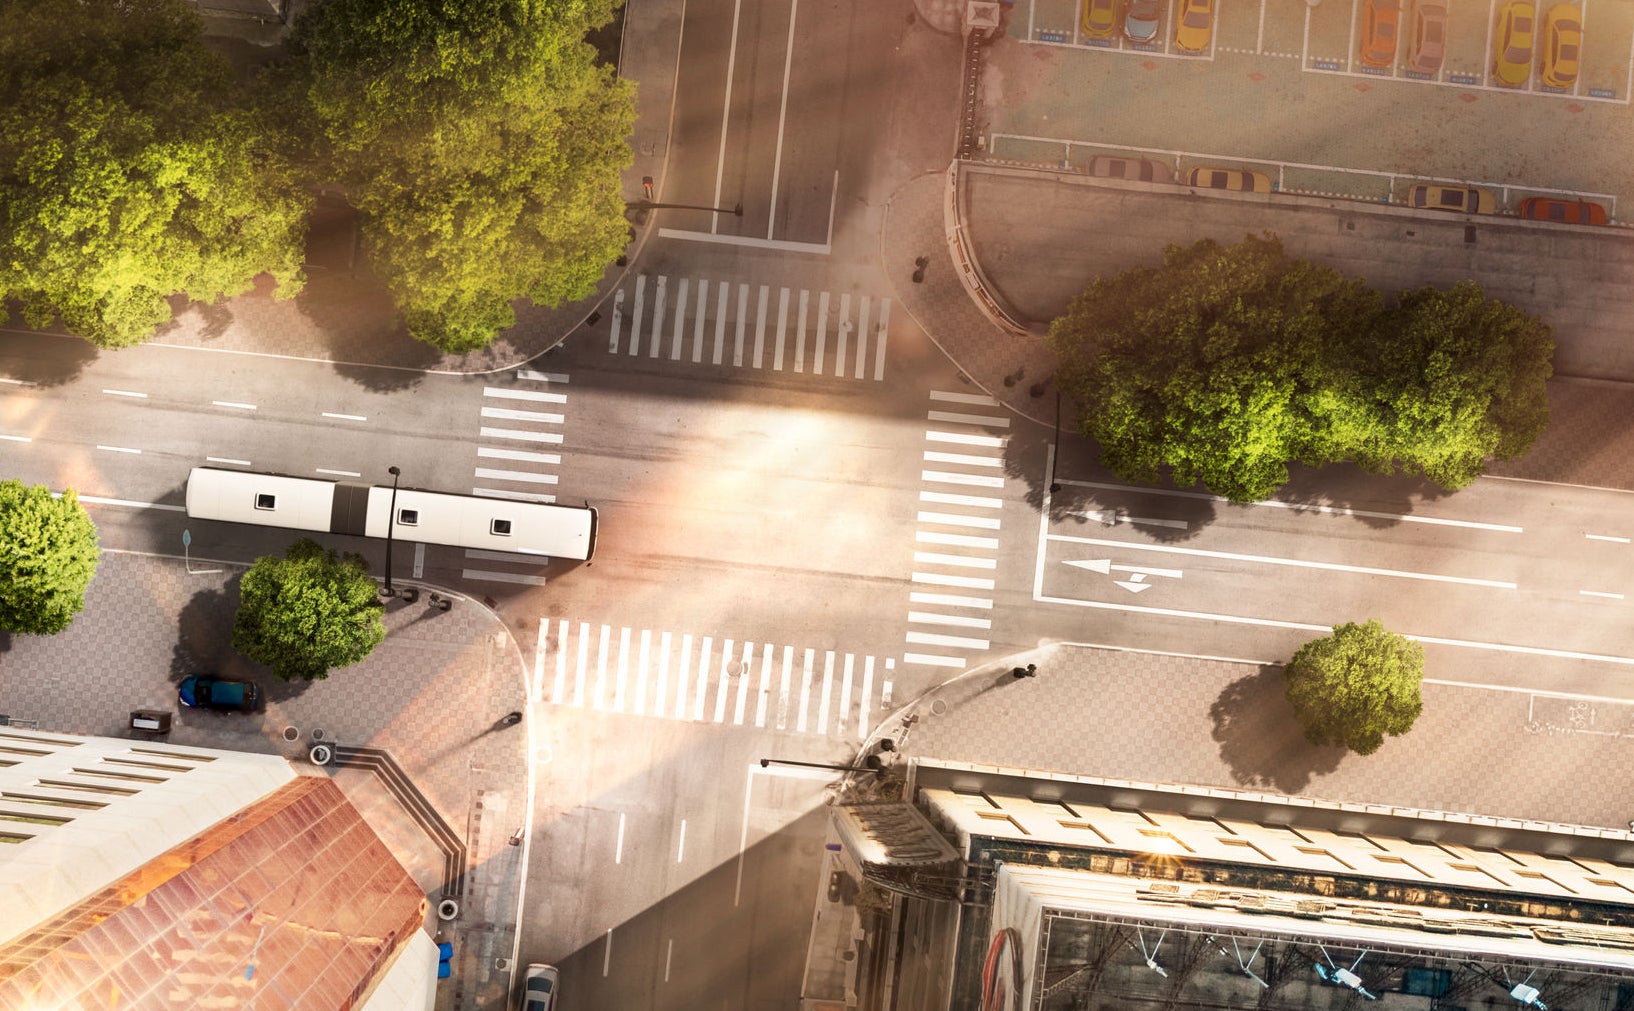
[(1356, 685), (48, 554), (308, 612)]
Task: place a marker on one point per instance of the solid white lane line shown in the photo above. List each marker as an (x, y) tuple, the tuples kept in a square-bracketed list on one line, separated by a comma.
[(16, 438), (224, 459), (988, 441), (127, 503), (1604, 537), (974, 480), (1298, 507), (126, 393), (518, 557), (964, 582), (519, 496), (506, 393), (1601, 593), (957, 641), (950, 600), (931, 456), (506, 414), (524, 476), (229, 403), (726, 113), (519, 435), (518, 454), (960, 561), (959, 520), (338, 473), (502, 577), (956, 540), (121, 449), (931, 660), (618, 847), (963, 398), (927, 618), (1298, 563), (975, 501), (345, 417), (782, 114), (993, 421), (542, 377)]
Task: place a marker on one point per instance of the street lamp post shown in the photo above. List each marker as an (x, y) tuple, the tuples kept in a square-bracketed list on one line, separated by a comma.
[(391, 521)]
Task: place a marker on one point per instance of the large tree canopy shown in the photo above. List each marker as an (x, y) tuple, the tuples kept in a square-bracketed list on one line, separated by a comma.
[(308, 612), (1227, 363), (48, 554), (1356, 685), (129, 170), (482, 143)]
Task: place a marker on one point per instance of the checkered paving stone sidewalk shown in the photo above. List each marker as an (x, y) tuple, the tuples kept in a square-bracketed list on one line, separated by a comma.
[(1165, 719), (430, 695)]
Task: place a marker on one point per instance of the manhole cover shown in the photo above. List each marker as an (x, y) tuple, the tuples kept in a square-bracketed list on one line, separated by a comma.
[(291, 733), (734, 668), (317, 735), (938, 707)]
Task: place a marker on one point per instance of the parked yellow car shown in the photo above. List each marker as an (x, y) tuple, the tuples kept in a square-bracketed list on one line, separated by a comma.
[(1459, 199), (1100, 18), (1195, 27), (1512, 58), (1562, 41), (1240, 180)]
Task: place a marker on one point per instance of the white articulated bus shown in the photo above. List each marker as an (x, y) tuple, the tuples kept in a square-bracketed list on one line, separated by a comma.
[(461, 521)]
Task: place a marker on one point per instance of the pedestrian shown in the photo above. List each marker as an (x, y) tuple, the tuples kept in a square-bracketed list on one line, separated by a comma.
[(510, 719), (1029, 671)]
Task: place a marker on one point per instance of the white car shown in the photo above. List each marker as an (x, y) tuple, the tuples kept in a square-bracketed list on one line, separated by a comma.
[(539, 990)]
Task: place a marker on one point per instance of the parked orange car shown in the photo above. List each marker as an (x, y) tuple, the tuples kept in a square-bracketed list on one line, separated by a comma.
[(1381, 21), (1571, 212)]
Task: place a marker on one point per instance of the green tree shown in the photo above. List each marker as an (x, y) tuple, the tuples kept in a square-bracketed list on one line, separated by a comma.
[(130, 170), (1226, 363), (308, 612), (482, 144), (48, 554), (1356, 685), (1212, 364), (1451, 379)]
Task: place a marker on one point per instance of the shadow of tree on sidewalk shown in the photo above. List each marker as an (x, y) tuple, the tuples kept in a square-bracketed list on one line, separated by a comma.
[(1260, 741)]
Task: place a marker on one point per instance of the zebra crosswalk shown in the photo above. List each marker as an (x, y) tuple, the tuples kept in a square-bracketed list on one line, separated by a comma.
[(957, 539), (521, 421), (755, 326), (706, 679)]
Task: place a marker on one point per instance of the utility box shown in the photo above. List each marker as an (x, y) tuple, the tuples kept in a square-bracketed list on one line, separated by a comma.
[(154, 721)]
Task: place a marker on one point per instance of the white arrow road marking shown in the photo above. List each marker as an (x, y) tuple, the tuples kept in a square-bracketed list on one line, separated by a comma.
[(1104, 565), (1113, 517), (1133, 585), (1299, 563)]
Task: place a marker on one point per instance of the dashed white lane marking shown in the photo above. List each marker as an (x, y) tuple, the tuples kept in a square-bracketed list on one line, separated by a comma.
[(1601, 593), (126, 393), (338, 473), (224, 459), (121, 449), (16, 438), (345, 417), (233, 404), (1607, 537)]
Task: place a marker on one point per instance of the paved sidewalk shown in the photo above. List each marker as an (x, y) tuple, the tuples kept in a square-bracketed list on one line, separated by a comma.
[(429, 695), (1153, 718)]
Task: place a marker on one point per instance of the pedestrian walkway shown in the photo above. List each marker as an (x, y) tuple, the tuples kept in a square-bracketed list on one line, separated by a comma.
[(956, 542), (699, 320), (709, 679)]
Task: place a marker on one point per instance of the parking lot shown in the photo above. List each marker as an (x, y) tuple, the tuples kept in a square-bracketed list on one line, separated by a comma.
[(1281, 90)]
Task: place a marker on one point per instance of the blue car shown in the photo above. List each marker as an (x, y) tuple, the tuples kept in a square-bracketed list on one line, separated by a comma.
[(201, 691)]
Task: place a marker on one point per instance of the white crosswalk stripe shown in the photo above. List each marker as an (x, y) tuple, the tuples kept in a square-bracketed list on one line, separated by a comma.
[(527, 468), (662, 673), (772, 327), (981, 455)]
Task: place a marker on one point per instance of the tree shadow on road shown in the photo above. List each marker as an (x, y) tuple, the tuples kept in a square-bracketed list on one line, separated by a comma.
[(1260, 741), (43, 357)]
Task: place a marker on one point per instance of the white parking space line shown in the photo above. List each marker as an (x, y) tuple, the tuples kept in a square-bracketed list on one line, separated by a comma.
[(517, 454), (505, 393), (519, 435), (863, 309), (1298, 563), (17, 382)]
